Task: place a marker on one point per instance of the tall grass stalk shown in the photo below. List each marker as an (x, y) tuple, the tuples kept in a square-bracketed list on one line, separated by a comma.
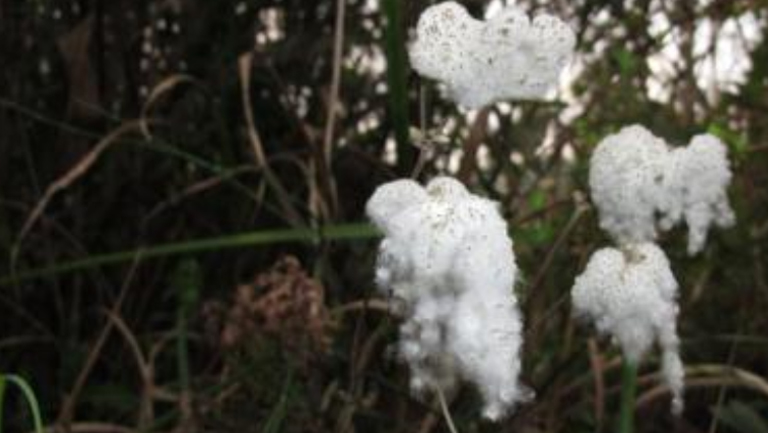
[(239, 240), (397, 80), (628, 391)]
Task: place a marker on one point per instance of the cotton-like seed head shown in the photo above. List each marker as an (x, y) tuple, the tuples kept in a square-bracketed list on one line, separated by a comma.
[(630, 294), (392, 198), (509, 56), (638, 184), (672, 370), (697, 177), (447, 188), (447, 258), (625, 175)]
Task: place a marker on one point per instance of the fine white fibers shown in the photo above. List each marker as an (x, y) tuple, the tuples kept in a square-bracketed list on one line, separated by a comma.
[(695, 187), (509, 56), (630, 294), (639, 183), (624, 179), (448, 261)]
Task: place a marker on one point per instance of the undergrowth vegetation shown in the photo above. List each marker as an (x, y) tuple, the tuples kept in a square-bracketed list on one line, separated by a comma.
[(184, 247)]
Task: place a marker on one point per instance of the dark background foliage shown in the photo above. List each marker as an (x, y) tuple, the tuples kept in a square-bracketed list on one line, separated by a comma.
[(125, 126)]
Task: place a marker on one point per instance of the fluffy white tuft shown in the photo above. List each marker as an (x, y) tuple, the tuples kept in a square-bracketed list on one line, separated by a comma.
[(639, 183), (695, 186), (630, 294), (447, 259), (391, 199), (625, 172), (509, 56)]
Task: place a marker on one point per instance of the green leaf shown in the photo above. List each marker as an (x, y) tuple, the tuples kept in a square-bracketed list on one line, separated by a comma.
[(534, 234), (736, 140), (537, 200), (626, 60)]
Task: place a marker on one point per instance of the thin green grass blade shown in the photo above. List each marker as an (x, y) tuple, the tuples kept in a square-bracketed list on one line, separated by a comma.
[(302, 235), (278, 413), (29, 395), (187, 281)]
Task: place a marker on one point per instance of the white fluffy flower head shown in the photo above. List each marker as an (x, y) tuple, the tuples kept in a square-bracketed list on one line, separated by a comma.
[(639, 183), (630, 294), (509, 56), (695, 184), (447, 258)]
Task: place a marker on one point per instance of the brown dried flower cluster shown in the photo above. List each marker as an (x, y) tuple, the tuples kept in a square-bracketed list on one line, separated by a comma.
[(283, 303)]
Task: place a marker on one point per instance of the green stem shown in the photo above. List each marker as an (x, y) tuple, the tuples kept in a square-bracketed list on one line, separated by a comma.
[(305, 235), (188, 282), (397, 80), (628, 390)]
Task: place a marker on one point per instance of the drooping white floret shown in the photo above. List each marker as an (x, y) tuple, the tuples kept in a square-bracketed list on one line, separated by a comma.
[(638, 183), (630, 294), (696, 180), (447, 259), (509, 56)]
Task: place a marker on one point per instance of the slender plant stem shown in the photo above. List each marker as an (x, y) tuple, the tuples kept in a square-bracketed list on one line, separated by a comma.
[(628, 391), (239, 240), (397, 80), (188, 284), (446, 411)]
